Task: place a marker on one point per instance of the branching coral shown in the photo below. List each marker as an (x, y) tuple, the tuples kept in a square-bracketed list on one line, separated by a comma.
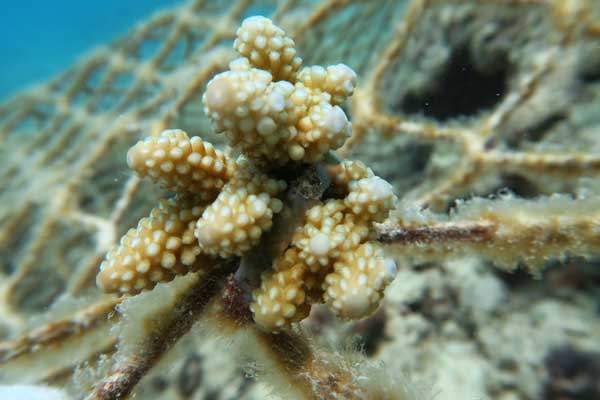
[(235, 221), (181, 164), (228, 204), (222, 207), (331, 259), (161, 246), (268, 48), (268, 112)]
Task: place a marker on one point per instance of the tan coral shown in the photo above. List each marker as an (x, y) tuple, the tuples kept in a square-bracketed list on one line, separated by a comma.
[(268, 47), (274, 121), (371, 198), (162, 246), (244, 209), (246, 107), (337, 80), (181, 164), (271, 121), (282, 297), (368, 196), (349, 170), (344, 173), (265, 112), (355, 288), (328, 232), (325, 127), (330, 260), (334, 260), (71, 94)]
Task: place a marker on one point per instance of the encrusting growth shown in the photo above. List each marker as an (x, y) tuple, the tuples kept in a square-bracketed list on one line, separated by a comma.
[(506, 231), (277, 116)]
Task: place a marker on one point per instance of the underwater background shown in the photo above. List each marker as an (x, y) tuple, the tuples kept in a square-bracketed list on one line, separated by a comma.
[(484, 116), (43, 38)]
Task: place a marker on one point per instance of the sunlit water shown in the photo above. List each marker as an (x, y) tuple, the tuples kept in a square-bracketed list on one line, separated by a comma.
[(40, 38)]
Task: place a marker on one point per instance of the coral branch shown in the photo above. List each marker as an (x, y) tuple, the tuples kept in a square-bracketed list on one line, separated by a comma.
[(507, 231)]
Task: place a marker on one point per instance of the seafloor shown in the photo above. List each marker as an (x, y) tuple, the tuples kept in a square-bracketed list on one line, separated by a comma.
[(521, 76)]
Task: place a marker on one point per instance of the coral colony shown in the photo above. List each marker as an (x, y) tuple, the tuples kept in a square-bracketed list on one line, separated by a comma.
[(276, 115)]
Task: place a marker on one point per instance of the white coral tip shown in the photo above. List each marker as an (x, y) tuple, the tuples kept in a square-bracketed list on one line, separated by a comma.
[(133, 158), (346, 75), (258, 208), (379, 188), (255, 21), (390, 269), (276, 101), (239, 64), (320, 244), (335, 120), (356, 305), (219, 92)]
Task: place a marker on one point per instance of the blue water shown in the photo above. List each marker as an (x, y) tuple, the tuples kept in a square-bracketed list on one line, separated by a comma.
[(40, 38)]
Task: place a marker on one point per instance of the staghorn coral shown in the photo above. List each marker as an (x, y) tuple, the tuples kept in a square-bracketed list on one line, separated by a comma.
[(71, 204), (332, 256), (333, 245)]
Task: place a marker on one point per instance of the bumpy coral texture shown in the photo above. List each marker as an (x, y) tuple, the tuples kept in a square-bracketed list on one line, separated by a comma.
[(181, 164), (282, 295), (184, 233), (162, 246), (329, 231), (331, 256), (235, 221), (275, 114), (271, 112), (268, 47), (354, 288)]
